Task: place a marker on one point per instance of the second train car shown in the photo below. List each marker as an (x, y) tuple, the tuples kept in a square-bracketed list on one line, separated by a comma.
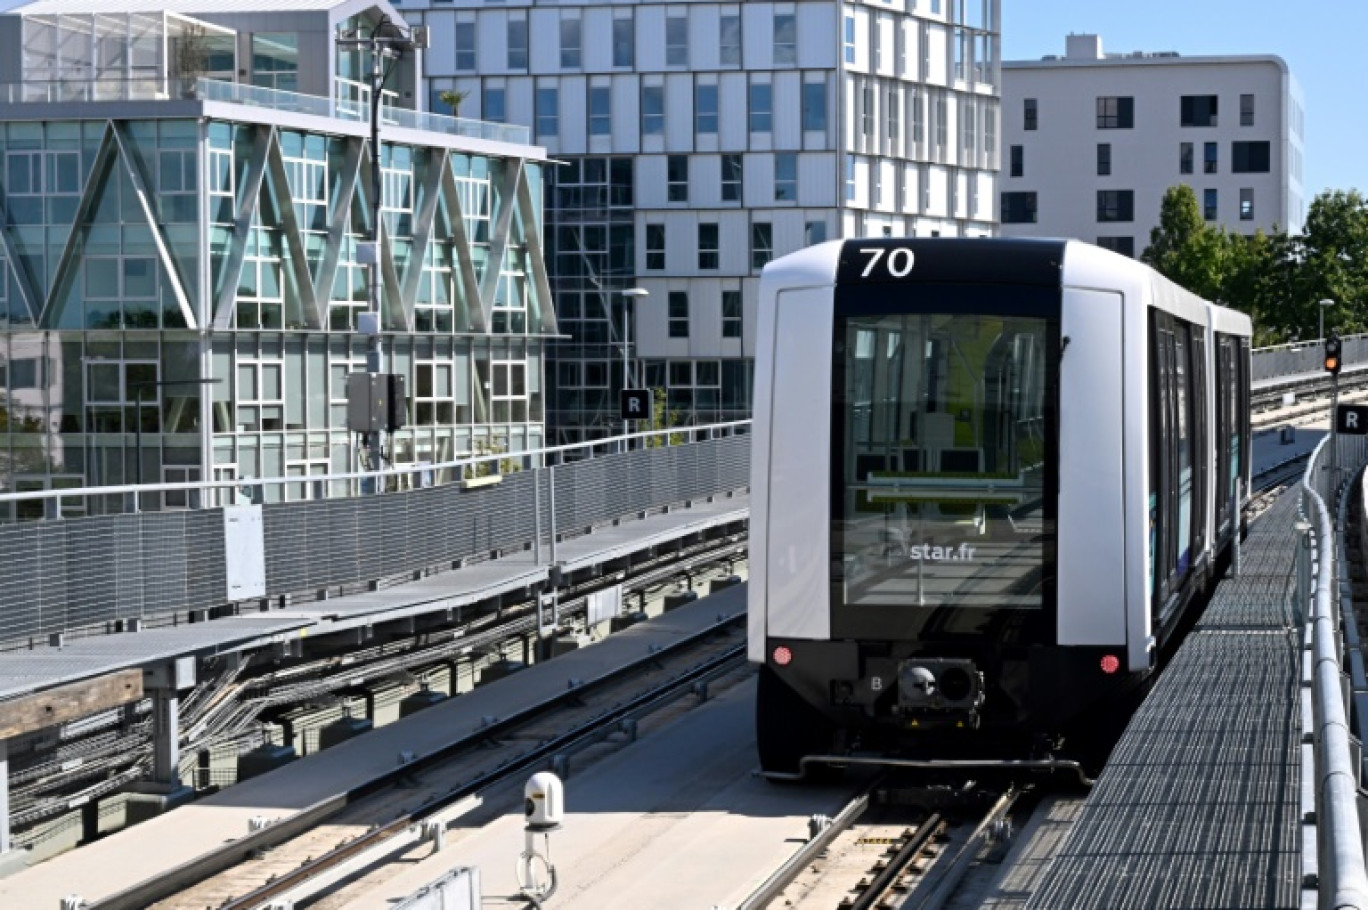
[(989, 478)]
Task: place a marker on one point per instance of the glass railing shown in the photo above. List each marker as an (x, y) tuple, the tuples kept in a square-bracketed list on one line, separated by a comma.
[(160, 89)]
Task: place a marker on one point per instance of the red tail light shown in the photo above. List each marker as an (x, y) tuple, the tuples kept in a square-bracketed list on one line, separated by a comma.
[(1110, 663), (782, 656)]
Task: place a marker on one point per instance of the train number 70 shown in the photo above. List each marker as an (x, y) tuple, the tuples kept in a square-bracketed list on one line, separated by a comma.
[(898, 262)]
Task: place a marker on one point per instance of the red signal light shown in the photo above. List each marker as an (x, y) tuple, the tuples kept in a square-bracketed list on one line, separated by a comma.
[(1110, 663), (783, 656)]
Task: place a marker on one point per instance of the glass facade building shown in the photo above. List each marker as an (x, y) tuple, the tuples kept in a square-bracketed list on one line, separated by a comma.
[(181, 264)]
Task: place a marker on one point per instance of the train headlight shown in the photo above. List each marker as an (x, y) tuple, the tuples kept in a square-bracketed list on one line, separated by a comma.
[(1110, 663), (782, 656)]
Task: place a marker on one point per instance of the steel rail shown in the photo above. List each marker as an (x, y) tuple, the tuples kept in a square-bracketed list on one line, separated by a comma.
[(872, 894), (171, 881), (938, 886)]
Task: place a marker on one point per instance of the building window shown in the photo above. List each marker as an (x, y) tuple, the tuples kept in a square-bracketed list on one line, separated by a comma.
[(942, 122), (815, 107), (1209, 205), (260, 395), (729, 40), (508, 392), (517, 44), (867, 110), (731, 178), (786, 177), (1115, 205), (1247, 203), (600, 111), (785, 38), (894, 114), (1209, 151), (849, 39), (1251, 157), (762, 243), (1115, 113), (731, 314), (677, 178), (1246, 110), (1016, 166), (624, 43), (918, 117), (708, 255), (570, 38), (705, 109), (679, 314), (814, 232), (1185, 158), (652, 110), (465, 46), (275, 60), (495, 105), (1198, 110), (676, 41), (1123, 245), (1029, 114), (655, 247), (1018, 208), (850, 178), (548, 111), (761, 111), (1104, 159)]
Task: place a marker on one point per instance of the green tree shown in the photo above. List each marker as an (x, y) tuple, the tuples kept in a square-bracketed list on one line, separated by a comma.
[(662, 418), (1184, 248), (1334, 263)]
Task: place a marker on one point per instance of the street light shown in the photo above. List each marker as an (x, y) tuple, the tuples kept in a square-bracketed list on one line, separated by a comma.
[(137, 412), (628, 296), (1321, 313)]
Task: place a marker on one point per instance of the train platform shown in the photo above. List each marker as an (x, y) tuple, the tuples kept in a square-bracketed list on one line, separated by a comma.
[(1199, 805), (74, 660), (133, 855)]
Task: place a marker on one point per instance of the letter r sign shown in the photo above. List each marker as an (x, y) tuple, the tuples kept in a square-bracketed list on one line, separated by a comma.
[(635, 404), (1352, 419)]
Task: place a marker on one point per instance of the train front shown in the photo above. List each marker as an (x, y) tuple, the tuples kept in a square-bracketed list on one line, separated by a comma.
[(907, 557)]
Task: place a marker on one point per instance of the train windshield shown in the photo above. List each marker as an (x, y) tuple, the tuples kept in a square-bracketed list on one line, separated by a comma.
[(939, 496)]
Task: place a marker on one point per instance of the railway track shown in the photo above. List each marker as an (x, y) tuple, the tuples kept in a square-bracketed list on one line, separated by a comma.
[(296, 858), (880, 852)]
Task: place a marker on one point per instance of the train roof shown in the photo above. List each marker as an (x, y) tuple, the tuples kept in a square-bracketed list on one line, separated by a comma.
[(1042, 262)]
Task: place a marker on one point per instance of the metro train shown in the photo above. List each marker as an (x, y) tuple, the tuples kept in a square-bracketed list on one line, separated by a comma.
[(990, 478)]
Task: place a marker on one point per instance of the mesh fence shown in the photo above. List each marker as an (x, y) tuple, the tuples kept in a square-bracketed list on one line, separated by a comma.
[(89, 573)]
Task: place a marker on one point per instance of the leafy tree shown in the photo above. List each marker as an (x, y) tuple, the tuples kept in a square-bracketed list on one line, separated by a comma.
[(1334, 262), (1184, 248), (662, 418)]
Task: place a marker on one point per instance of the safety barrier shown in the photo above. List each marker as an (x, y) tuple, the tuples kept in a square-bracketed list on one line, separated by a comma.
[(62, 575), (1302, 357), (1341, 877)]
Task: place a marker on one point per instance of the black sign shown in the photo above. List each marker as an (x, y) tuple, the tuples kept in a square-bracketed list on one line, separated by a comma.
[(635, 404), (950, 260), (1352, 419)]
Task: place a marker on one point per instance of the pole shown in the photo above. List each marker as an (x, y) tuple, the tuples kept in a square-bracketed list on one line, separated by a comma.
[(375, 352), (626, 339)]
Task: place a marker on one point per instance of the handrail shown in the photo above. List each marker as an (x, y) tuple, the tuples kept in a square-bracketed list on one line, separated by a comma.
[(1344, 882), (533, 456)]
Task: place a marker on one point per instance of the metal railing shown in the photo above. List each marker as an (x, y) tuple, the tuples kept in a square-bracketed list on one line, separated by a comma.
[(1339, 854), (92, 573), (1303, 357), (163, 88)]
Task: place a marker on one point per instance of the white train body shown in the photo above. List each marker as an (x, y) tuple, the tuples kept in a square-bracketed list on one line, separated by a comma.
[(988, 477)]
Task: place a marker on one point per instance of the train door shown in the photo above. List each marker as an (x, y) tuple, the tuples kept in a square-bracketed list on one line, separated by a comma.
[(1173, 482)]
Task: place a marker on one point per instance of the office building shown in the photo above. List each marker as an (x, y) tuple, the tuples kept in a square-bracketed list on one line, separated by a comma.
[(1093, 140), (697, 140), (186, 204)]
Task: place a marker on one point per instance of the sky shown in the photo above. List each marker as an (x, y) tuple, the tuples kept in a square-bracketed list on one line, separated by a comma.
[(1322, 43)]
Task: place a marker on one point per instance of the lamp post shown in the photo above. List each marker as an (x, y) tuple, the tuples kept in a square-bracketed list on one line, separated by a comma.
[(386, 39), (137, 412), (628, 296), (1325, 302)]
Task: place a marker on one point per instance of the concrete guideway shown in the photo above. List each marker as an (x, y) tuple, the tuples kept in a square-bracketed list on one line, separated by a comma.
[(149, 850)]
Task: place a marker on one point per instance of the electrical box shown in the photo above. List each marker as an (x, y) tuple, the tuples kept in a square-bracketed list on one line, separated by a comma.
[(367, 402), (396, 415), (544, 801)]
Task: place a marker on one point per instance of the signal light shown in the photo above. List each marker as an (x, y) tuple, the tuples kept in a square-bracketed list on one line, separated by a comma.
[(1110, 664), (1333, 361), (783, 656)]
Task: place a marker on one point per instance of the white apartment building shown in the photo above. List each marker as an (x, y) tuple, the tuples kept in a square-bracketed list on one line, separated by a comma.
[(1093, 140), (700, 139)]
